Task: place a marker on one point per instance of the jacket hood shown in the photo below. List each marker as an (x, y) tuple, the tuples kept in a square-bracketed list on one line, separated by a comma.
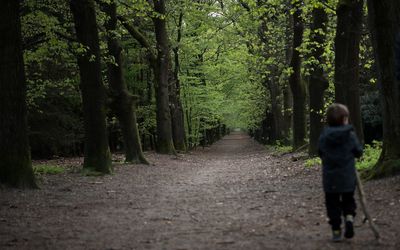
[(338, 135)]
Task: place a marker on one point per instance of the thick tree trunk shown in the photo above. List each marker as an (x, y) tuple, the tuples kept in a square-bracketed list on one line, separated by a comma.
[(296, 84), (318, 83), (347, 59), (177, 117), (123, 101), (15, 158), (384, 21), (97, 152), (165, 143)]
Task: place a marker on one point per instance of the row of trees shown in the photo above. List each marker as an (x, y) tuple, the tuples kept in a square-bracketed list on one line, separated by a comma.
[(325, 51), (171, 75), (86, 18)]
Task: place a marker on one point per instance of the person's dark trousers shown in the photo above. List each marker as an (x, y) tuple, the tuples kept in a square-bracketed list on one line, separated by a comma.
[(338, 204)]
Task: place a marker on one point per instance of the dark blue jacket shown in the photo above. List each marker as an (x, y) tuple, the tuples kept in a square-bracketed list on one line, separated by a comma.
[(337, 147)]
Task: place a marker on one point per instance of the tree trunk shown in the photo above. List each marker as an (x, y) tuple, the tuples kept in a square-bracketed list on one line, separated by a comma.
[(287, 94), (165, 143), (97, 152), (177, 117), (272, 86), (318, 83), (287, 113), (15, 158), (347, 60), (276, 112), (384, 22), (123, 101), (295, 82)]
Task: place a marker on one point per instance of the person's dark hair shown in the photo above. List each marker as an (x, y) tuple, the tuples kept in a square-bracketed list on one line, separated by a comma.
[(336, 114)]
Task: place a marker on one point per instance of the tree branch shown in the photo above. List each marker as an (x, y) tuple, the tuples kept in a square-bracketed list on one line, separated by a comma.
[(328, 6), (136, 34), (66, 37), (245, 5)]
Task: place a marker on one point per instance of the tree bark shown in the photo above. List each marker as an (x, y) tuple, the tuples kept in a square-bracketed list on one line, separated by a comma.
[(296, 85), (165, 143), (347, 60), (177, 117), (15, 158), (276, 112), (287, 94), (123, 102), (318, 83), (287, 113), (384, 20), (97, 152), (275, 118)]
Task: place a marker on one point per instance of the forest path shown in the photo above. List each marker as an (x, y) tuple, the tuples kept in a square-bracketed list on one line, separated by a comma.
[(232, 195)]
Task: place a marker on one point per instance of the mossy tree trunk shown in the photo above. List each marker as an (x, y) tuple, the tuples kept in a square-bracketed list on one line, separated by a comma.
[(123, 103), (97, 152), (272, 85), (347, 59), (318, 83), (384, 22), (165, 143), (177, 116), (296, 84), (287, 94), (159, 62), (15, 159)]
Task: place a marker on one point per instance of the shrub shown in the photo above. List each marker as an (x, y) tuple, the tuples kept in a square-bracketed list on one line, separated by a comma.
[(279, 148), (312, 162), (370, 156)]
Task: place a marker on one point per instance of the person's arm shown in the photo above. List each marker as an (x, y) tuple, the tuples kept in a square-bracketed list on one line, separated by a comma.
[(357, 148)]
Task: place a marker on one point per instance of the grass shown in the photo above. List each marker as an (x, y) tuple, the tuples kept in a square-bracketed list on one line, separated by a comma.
[(48, 169)]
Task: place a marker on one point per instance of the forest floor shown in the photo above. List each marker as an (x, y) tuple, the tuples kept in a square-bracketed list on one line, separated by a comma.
[(232, 195)]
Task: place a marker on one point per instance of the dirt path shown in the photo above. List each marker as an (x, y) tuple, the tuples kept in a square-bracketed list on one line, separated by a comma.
[(233, 195)]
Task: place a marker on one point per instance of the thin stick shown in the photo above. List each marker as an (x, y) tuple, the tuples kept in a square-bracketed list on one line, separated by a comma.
[(364, 207)]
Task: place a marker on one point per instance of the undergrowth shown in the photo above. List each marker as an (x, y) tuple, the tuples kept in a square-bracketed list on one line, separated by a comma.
[(47, 169), (280, 148), (370, 156), (312, 162)]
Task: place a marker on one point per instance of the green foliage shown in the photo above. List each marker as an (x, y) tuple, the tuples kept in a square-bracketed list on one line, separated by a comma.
[(146, 119), (47, 169), (280, 149), (315, 161), (230, 55), (370, 157), (216, 83), (53, 96)]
